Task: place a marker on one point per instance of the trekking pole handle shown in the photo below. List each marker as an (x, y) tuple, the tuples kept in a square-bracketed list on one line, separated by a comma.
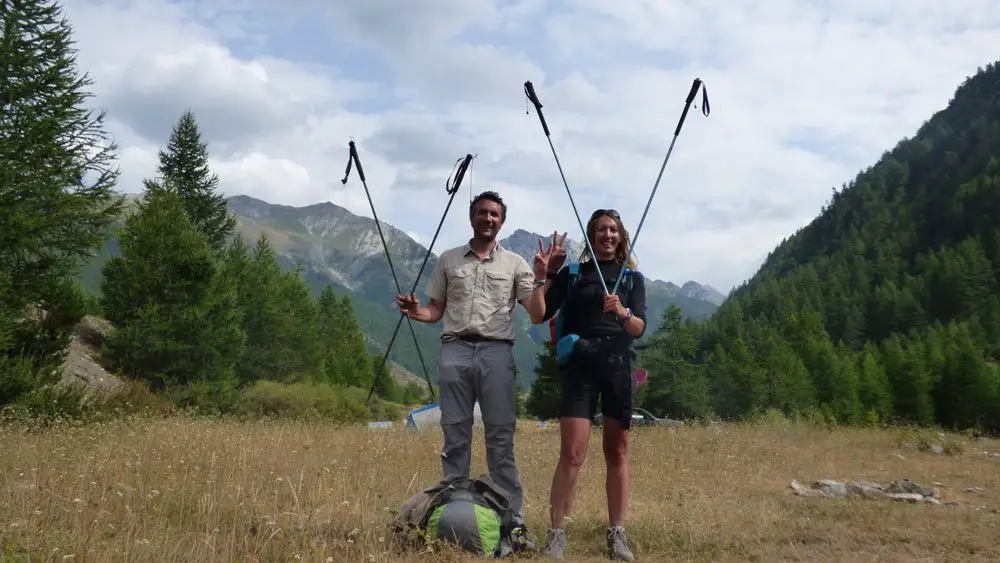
[(529, 90), (353, 158), (452, 187), (687, 104)]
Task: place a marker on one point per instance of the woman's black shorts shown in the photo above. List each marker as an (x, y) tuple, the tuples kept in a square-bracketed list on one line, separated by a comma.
[(608, 378)]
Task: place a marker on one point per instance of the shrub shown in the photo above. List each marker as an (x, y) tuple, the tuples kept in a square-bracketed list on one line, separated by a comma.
[(304, 401)]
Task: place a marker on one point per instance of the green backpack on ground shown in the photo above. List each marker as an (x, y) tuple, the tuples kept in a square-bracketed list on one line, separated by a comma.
[(473, 514)]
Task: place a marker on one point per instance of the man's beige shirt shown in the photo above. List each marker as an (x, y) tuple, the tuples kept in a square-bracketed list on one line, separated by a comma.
[(479, 295)]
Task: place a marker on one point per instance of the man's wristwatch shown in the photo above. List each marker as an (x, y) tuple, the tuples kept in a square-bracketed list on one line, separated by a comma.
[(628, 315), (539, 283)]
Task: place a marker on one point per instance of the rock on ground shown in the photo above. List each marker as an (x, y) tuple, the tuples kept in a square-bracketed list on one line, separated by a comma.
[(903, 490), (83, 359)]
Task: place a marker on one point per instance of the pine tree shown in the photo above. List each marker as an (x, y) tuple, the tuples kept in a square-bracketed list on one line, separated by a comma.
[(412, 393), (346, 359), (358, 363), (56, 181), (329, 324), (279, 317), (305, 348), (520, 410), (543, 399), (675, 387), (176, 310), (874, 389), (184, 167), (385, 386)]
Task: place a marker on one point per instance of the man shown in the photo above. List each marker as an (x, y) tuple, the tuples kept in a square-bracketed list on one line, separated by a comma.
[(473, 288)]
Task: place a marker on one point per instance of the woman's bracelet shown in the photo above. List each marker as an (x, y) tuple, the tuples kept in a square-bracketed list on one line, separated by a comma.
[(628, 316)]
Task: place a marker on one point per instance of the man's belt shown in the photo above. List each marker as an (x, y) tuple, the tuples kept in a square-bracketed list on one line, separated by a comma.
[(476, 338)]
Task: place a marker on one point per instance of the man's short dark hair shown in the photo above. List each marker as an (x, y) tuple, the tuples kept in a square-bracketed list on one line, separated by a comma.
[(492, 196)]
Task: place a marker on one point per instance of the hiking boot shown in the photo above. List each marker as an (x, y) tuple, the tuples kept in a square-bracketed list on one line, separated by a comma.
[(519, 540), (618, 545), (556, 548)]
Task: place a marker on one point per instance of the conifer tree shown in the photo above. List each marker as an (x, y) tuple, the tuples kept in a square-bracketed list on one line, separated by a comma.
[(184, 166), (175, 309), (346, 360), (279, 316), (385, 386), (543, 399), (56, 181)]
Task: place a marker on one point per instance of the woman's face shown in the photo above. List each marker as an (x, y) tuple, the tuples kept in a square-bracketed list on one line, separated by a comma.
[(606, 237)]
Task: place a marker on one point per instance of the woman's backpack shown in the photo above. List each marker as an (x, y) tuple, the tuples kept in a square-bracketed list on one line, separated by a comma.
[(566, 343)]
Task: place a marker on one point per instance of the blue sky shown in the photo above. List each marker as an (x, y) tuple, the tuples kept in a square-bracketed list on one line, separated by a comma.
[(803, 95)]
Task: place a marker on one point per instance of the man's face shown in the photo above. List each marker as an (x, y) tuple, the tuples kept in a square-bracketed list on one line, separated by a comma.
[(486, 220)]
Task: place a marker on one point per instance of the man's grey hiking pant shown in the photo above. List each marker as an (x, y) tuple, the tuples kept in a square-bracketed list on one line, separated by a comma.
[(484, 371)]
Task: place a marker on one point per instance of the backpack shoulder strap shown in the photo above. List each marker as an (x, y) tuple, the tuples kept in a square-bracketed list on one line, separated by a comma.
[(629, 279), (573, 269), (556, 322), (572, 276)]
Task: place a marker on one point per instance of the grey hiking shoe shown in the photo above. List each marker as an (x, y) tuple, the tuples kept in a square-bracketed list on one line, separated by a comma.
[(556, 548), (618, 545), (516, 541), (520, 540)]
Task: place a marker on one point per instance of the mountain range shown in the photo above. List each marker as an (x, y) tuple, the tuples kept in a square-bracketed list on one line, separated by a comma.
[(332, 246)]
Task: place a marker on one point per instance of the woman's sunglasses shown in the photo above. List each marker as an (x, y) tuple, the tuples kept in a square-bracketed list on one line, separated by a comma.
[(609, 212)]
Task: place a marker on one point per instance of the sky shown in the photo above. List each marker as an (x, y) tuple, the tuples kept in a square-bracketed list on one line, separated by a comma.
[(803, 95)]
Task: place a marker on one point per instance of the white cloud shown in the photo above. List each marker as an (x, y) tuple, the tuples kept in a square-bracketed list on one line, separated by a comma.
[(803, 95)]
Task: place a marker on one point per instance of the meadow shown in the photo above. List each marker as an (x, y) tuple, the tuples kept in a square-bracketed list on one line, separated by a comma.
[(193, 489)]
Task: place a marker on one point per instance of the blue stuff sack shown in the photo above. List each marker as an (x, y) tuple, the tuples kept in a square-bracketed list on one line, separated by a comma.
[(564, 349)]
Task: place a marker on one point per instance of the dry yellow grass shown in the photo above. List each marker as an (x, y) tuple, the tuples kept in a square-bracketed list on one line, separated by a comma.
[(190, 490)]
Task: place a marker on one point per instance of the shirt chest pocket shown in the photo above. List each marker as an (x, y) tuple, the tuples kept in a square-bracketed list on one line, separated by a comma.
[(460, 284), (498, 286)]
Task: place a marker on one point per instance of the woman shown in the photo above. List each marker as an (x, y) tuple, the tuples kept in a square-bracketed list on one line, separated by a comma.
[(600, 366)]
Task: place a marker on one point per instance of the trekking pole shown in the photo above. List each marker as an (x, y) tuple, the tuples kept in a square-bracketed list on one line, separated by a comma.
[(529, 90), (452, 189), (353, 158), (705, 110)]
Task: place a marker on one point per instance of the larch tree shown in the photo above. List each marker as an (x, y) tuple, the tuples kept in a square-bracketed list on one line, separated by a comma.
[(57, 199)]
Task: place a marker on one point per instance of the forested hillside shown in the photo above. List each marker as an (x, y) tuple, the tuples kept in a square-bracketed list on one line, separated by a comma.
[(200, 308), (329, 247), (199, 312), (885, 307)]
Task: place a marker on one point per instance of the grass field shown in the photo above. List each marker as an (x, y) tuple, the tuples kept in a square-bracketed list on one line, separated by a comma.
[(179, 489)]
